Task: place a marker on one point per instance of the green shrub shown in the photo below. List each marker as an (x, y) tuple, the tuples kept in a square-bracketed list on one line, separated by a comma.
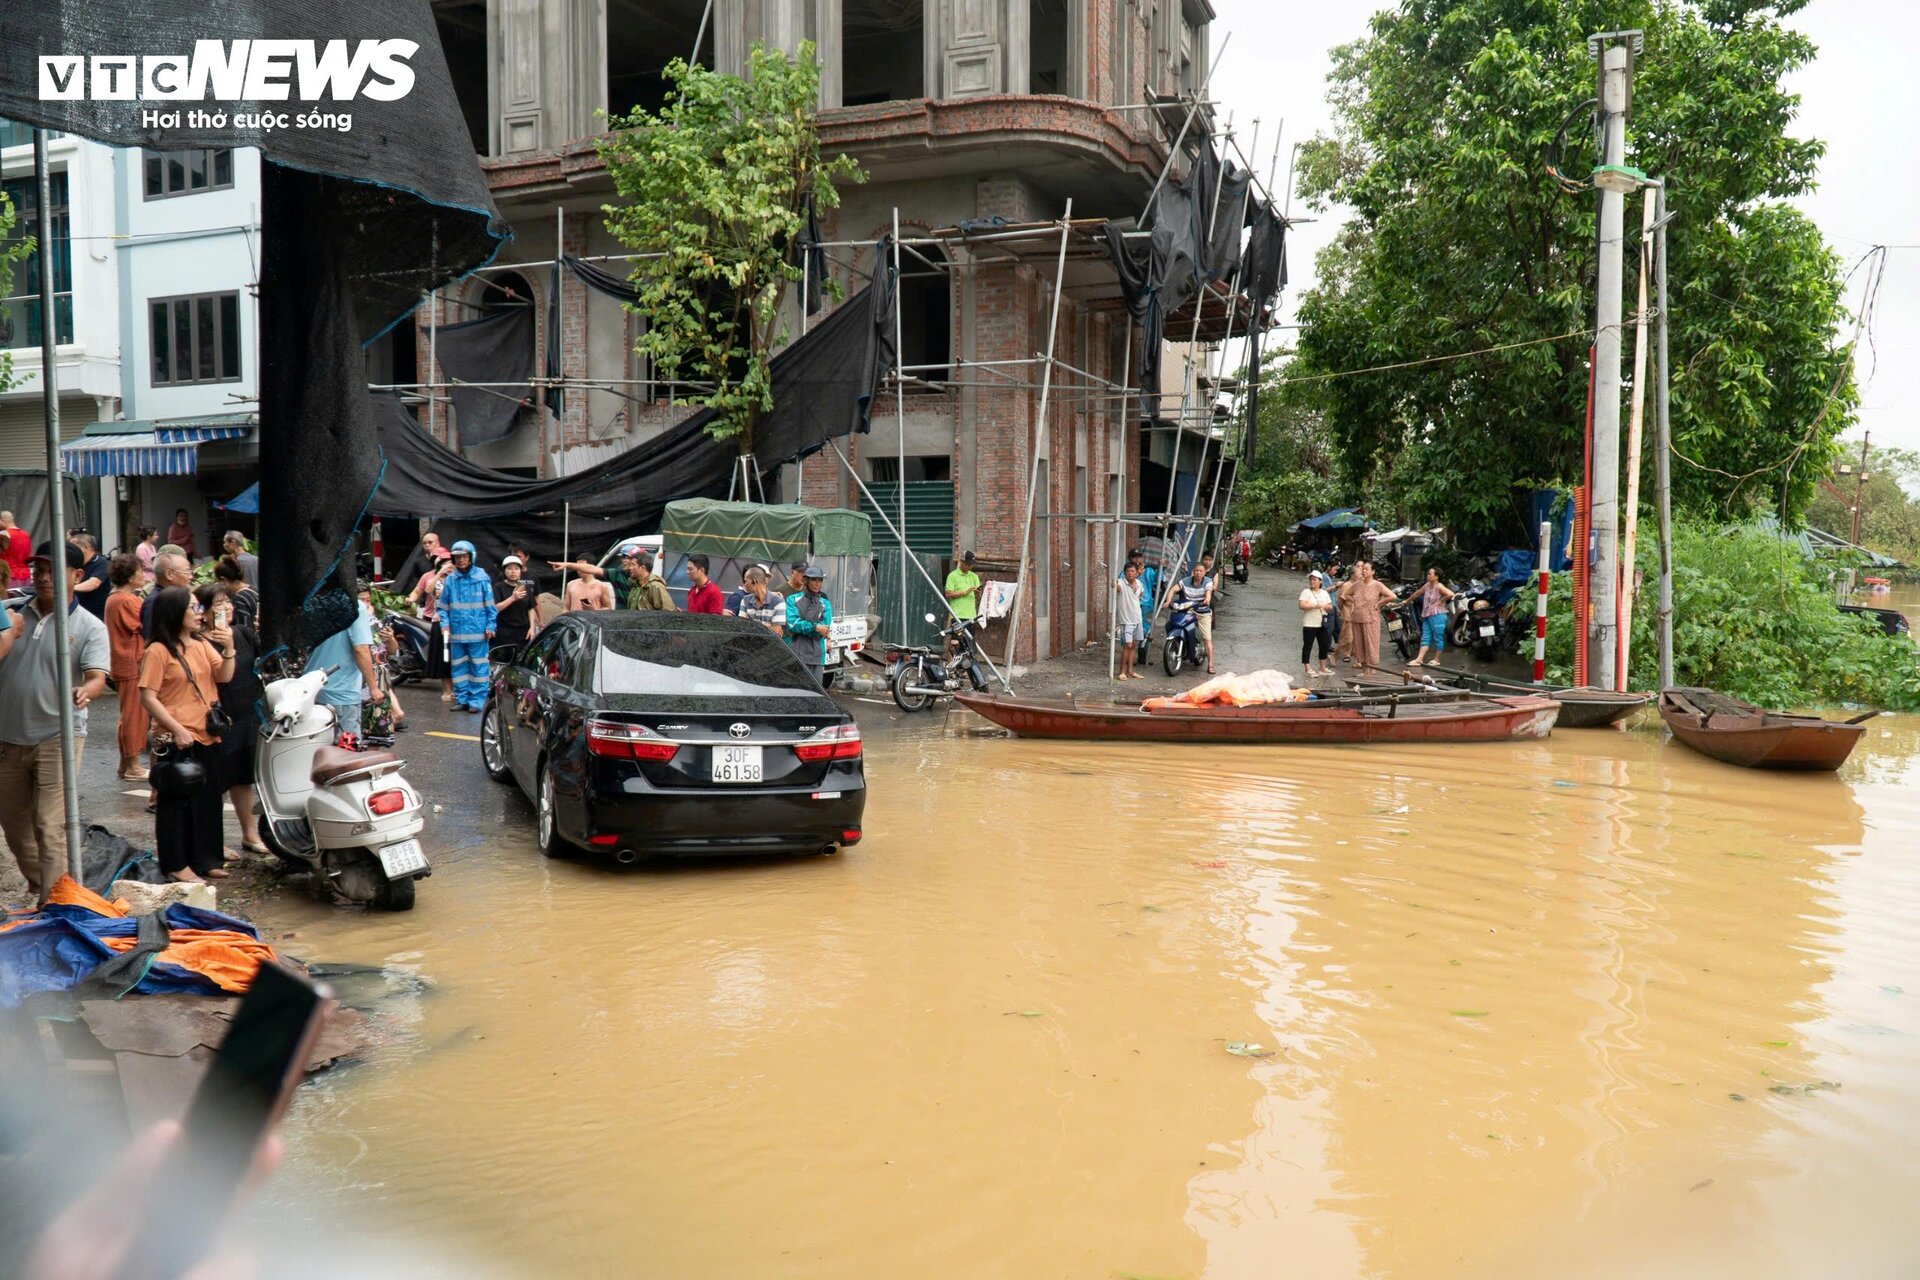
[(1752, 617)]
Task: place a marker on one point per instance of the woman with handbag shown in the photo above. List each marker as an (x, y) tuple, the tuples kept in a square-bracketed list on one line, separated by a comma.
[(179, 678), (239, 697)]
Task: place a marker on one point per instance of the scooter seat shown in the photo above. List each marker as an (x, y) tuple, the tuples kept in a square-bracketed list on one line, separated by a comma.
[(330, 763)]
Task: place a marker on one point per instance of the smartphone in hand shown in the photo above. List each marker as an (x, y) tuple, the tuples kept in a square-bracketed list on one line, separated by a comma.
[(239, 1100)]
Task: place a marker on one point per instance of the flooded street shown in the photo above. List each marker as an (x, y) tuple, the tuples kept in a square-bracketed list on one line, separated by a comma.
[(1592, 1006)]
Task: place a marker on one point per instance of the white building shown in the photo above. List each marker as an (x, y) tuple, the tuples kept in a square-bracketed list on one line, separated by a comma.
[(156, 258)]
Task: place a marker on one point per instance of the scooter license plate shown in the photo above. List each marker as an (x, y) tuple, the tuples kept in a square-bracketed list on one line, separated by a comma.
[(737, 764), (1486, 630), (1393, 624), (403, 859)]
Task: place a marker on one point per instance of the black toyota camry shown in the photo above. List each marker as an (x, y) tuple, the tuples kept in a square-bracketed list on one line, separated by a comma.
[(641, 733)]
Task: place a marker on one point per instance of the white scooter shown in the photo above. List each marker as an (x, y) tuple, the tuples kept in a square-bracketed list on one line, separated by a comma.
[(348, 815)]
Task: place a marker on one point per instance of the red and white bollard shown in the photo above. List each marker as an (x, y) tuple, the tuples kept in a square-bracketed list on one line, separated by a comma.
[(378, 548), (1540, 605)]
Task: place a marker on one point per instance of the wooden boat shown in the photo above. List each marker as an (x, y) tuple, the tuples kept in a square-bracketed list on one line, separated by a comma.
[(1740, 733), (1581, 706), (1389, 718)]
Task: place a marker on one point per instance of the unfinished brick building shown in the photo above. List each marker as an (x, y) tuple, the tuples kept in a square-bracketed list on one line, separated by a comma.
[(960, 111)]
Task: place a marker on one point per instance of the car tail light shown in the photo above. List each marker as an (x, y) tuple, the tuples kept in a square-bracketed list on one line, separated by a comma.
[(836, 742), (622, 741), (850, 836), (606, 839), (382, 803)]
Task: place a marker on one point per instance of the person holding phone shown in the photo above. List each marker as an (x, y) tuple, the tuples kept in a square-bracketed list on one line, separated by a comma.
[(514, 621), (240, 695), (179, 686)]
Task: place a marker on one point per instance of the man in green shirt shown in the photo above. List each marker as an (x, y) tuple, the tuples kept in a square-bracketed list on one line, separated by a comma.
[(963, 590), (644, 590)]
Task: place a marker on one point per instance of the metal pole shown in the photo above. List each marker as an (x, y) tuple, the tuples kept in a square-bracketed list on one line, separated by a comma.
[(1199, 97), (1859, 487), (1663, 462), (900, 421), (1604, 583), (433, 339), (555, 339), (806, 288), (566, 549), (1114, 565), (56, 501), (1629, 540), (1540, 603), (1039, 434)]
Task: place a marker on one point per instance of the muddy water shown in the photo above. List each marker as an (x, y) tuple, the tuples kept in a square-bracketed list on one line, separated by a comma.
[(1567, 1008)]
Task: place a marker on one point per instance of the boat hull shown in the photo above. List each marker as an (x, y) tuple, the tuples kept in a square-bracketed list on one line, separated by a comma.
[(1581, 707), (1764, 740), (1479, 720)]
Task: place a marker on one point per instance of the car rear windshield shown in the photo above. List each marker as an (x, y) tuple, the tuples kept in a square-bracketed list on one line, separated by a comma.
[(693, 664)]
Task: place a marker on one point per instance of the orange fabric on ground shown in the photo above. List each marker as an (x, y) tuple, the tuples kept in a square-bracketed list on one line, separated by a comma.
[(69, 892), (225, 958)]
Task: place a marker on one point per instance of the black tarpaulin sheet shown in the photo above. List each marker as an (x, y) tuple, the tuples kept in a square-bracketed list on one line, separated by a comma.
[(1263, 273), (1220, 210), (1157, 279), (821, 387), (494, 349), (359, 224)]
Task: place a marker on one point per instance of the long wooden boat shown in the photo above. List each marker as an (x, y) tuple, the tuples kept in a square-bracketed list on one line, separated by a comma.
[(1581, 706), (1740, 733), (1356, 719)]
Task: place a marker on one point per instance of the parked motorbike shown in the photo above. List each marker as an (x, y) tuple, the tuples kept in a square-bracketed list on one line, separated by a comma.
[(919, 674), (1242, 562), (347, 815), (1402, 622), (407, 659), (1183, 638), (1475, 627)]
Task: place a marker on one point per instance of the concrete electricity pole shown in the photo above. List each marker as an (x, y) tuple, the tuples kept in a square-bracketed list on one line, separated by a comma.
[(1615, 50), (1859, 489)]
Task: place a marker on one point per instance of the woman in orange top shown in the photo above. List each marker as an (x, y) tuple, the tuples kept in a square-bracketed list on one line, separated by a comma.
[(123, 635), (178, 686)]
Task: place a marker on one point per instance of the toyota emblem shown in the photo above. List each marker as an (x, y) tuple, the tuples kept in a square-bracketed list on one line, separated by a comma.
[(739, 729)]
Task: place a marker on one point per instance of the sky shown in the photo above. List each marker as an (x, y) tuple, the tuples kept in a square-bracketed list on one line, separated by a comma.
[(1858, 96)]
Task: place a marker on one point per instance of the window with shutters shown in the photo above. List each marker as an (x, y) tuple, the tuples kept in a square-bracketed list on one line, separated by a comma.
[(194, 340)]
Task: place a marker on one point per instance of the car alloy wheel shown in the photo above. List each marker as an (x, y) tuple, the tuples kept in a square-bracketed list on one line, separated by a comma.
[(546, 825), (493, 746)]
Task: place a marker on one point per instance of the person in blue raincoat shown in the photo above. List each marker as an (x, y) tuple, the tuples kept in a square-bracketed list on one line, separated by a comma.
[(467, 615), (810, 623)]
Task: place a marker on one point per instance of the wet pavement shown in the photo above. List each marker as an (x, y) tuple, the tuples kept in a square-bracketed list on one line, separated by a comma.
[(1593, 1006)]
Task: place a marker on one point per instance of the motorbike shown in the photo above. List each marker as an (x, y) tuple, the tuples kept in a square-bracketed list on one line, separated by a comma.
[(407, 660), (918, 674), (1242, 564), (1402, 622), (1476, 621), (1183, 638), (346, 815)]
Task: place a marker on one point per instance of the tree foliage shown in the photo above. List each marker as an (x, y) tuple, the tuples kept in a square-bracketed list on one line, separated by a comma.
[(1295, 471), (1460, 242), (11, 252), (715, 187), (1753, 617), (1890, 519)]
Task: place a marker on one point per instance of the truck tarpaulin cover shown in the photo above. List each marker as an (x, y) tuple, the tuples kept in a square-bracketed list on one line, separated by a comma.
[(778, 535), (822, 387), (359, 223)]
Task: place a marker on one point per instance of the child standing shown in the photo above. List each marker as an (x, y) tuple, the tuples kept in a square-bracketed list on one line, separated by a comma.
[(1126, 616)]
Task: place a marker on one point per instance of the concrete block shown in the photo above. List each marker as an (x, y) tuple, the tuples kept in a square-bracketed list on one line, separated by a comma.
[(144, 899)]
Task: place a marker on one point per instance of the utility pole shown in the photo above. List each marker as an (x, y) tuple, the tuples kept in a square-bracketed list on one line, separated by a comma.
[(1615, 50), (1663, 440), (1859, 489)]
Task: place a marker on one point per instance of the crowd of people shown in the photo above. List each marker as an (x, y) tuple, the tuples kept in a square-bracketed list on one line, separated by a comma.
[(1340, 621), (179, 659)]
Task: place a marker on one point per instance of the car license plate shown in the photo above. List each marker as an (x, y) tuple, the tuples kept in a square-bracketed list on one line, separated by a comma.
[(403, 859), (849, 629), (737, 764), (832, 658), (1485, 629), (1393, 624)]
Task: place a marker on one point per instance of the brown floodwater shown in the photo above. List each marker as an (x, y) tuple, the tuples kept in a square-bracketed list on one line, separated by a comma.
[(1590, 1006)]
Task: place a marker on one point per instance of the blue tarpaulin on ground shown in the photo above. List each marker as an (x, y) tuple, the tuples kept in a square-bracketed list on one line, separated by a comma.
[(60, 945), (246, 502)]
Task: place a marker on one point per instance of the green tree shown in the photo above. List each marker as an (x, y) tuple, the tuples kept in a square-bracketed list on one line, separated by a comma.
[(714, 187), (1755, 618), (1890, 520), (1445, 114), (11, 251)]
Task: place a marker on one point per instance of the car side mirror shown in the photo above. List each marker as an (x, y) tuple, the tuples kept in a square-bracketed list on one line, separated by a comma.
[(504, 654)]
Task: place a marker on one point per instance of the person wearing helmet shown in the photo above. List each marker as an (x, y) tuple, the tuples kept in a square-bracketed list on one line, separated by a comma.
[(810, 622), (515, 620), (468, 615)]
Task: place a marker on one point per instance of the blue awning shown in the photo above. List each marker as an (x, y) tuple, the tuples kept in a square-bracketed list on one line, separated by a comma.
[(127, 455), (222, 426), (1341, 518)]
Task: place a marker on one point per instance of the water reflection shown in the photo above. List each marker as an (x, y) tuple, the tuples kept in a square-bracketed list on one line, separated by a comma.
[(1509, 994)]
